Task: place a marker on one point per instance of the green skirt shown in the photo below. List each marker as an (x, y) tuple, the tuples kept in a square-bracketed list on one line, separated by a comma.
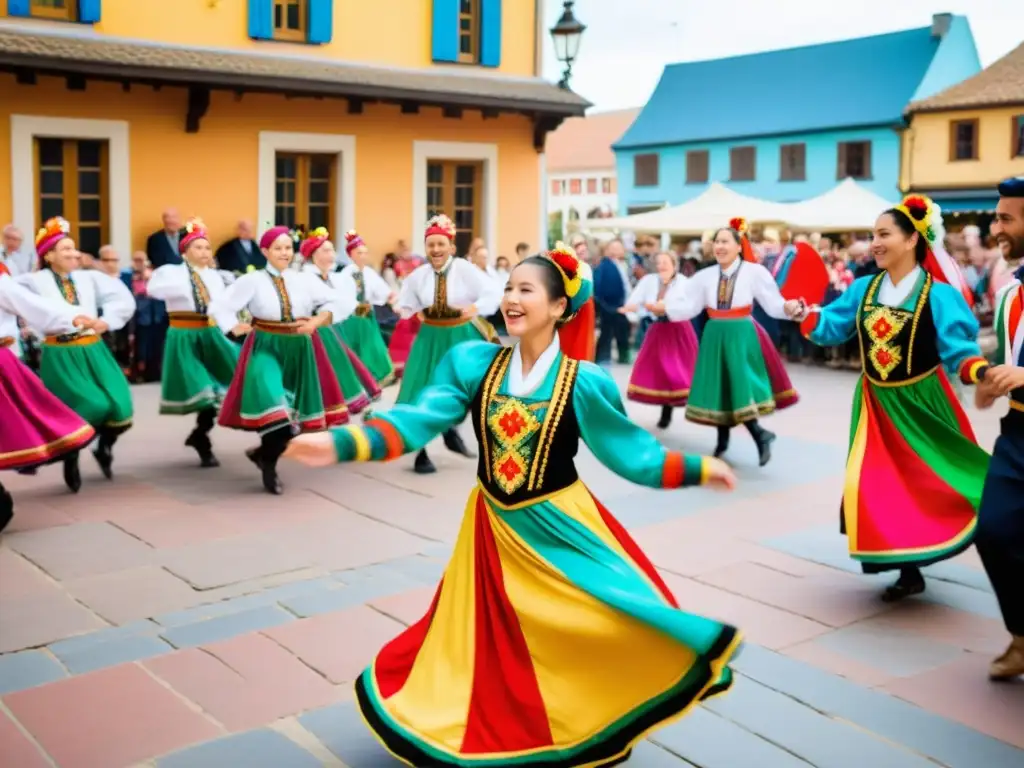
[(730, 380), (362, 334), (84, 375), (198, 366), (356, 396), (430, 346)]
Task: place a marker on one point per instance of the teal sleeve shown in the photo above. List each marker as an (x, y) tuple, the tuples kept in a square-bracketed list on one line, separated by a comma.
[(956, 331), (623, 447), (837, 323), (440, 406)]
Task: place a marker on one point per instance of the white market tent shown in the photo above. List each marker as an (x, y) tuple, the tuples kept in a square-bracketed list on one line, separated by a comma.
[(845, 208)]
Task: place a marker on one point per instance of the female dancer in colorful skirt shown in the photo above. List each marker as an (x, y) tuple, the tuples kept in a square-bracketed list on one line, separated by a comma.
[(578, 337), (664, 367), (551, 640), (357, 383), (915, 471), (199, 361), (738, 377), (78, 367), (401, 341), (35, 427), (360, 330), (284, 383), (453, 297)]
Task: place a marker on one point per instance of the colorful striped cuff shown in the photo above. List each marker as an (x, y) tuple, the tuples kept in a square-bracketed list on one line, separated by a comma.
[(972, 370), (809, 323), (376, 440), (679, 471)]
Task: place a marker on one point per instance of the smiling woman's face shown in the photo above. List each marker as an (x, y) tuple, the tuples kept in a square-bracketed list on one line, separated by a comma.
[(527, 305)]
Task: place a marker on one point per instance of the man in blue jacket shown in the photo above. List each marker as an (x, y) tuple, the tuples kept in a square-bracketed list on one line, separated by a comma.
[(611, 289)]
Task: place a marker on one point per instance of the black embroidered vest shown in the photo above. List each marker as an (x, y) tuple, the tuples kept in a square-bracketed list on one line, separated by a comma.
[(440, 310), (526, 448), (897, 345)]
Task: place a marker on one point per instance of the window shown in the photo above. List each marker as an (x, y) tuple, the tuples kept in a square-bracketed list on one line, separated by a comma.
[(793, 162), (1017, 137), (53, 9), (606, 186), (72, 182), (455, 187), (304, 190), (853, 160), (556, 187), (290, 20), (469, 31), (697, 164), (591, 186), (742, 161), (645, 170), (575, 186), (963, 140)]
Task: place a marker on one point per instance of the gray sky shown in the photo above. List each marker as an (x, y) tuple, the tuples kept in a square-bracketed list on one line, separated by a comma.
[(628, 42)]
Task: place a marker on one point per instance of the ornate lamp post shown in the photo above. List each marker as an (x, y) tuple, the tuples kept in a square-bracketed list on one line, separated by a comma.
[(566, 35)]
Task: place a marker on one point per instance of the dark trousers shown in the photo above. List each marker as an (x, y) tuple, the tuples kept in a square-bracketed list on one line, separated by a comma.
[(1000, 533), (273, 443), (792, 341), (149, 351), (613, 326)]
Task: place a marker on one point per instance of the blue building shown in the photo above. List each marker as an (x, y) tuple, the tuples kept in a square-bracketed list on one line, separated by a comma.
[(788, 125)]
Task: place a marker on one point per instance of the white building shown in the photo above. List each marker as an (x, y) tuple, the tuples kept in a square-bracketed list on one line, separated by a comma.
[(581, 169)]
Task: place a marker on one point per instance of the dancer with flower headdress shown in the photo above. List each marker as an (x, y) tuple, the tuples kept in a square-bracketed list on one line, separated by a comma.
[(738, 377), (358, 385), (453, 297), (915, 472), (199, 361), (77, 366), (551, 640), (360, 329)]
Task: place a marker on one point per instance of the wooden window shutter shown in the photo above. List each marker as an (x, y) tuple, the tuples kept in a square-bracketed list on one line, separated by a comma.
[(89, 11), (445, 33), (490, 33), (867, 160), (841, 161), (261, 19), (321, 21)]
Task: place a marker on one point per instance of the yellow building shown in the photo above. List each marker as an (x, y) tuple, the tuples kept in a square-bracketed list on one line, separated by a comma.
[(963, 141), (300, 112)]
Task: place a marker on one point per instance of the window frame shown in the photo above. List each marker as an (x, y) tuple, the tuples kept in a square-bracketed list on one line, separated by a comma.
[(1017, 136), (68, 13), (692, 156), (303, 179), (592, 186), (283, 34), (733, 162), (448, 186), (474, 34), (70, 170), (575, 186), (799, 175), (954, 125), (654, 170), (607, 187), (843, 162)]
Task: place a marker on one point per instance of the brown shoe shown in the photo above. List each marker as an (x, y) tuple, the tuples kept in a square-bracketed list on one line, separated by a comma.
[(1010, 664)]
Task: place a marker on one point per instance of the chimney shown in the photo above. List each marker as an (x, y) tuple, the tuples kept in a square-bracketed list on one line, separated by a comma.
[(941, 22)]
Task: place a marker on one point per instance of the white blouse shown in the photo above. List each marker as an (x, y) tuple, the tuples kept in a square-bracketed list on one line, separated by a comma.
[(892, 294), (467, 286), (646, 292), (50, 317), (688, 298), (375, 290), (524, 386), (255, 292), (172, 284), (345, 301), (95, 291)]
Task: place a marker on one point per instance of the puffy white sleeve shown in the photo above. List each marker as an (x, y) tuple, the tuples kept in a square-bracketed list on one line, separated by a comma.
[(114, 298), (48, 317), (224, 310), (766, 291), (377, 291), (486, 291), (166, 283), (686, 298), (345, 295), (409, 302), (327, 298)]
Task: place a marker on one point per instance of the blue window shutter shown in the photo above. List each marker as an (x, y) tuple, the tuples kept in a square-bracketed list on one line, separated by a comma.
[(490, 33), (89, 11), (18, 8), (445, 36), (321, 21), (261, 19)]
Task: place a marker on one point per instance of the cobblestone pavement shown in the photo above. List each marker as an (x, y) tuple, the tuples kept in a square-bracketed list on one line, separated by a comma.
[(179, 617)]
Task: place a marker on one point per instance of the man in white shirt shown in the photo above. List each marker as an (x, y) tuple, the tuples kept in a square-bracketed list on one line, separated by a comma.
[(18, 261)]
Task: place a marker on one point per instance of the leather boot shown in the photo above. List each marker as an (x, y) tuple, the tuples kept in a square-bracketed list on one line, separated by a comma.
[(104, 453), (764, 440), (666, 417), (6, 507), (199, 439), (423, 465), (723, 442), (72, 474), (454, 443)]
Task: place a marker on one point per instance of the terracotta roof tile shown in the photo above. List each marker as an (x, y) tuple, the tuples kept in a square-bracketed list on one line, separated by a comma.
[(133, 59), (998, 85), (585, 143)]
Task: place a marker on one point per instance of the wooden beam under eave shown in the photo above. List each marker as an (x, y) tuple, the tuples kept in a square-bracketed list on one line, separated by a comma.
[(355, 106), (198, 106), (25, 77), (542, 126), (410, 108), (75, 83), (453, 113)]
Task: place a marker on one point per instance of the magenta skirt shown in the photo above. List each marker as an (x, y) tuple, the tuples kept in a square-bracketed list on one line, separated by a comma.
[(35, 427), (664, 366), (362, 373), (401, 342), (782, 387)]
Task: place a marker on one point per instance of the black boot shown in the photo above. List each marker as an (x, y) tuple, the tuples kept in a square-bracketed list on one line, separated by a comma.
[(199, 439), (6, 507), (764, 440), (30, 471), (453, 442), (423, 465), (265, 457), (666, 417), (72, 475), (723, 442), (910, 582), (104, 453)]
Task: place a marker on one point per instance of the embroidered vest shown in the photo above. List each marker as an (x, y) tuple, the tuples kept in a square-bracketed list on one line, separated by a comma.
[(440, 310), (200, 293), (726, 287), (526, 447), (67, 288), (897, 345), (287, 316), (363, 308), (1009, 316)]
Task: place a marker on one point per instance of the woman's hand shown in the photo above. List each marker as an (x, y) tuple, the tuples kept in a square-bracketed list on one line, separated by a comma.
[(81, 322), (241, 329), (470, 311), (627, 309), (99, 326), (307, 326), (1001, 379), (718, 474), (656, 308), (314, 450)]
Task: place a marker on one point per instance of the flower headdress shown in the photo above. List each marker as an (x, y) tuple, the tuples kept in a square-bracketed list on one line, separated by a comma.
[(579, 286), (51, 233), (739, 224), (311, 244), (353, 241), (195, 229), (926, 216), (440, 225)]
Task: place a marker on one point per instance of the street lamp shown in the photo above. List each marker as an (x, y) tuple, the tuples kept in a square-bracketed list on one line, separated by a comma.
[(566, 35)]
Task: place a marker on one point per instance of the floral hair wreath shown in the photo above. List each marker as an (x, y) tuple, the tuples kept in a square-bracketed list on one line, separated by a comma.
[(195, 225), (441, 225), (926, 216), (58, 225), (568, 264), (740, 225), (319, 232)]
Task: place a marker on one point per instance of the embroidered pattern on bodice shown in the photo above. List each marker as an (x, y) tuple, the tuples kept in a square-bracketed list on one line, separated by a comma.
[(363, 308), (282, 297), (890, 337), (726, 287), (67, 288), (440, 310), (200, 294)]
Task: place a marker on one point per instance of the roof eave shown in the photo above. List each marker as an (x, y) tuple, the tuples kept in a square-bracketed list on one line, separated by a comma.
[(896, 123), (993, 104)]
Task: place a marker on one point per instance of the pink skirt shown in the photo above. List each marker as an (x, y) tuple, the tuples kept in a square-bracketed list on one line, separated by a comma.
[(362, 373), (782, 387), (664, 367), (35, 427), (401, 342)]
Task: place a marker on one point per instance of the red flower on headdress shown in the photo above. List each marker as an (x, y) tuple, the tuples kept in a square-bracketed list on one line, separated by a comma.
[(917, 206), (739, 224), (4, 270), (567, 260)]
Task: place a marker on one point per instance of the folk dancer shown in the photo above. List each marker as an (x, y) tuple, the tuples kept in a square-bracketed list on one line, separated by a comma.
[(199, 361), (78, 367), (358, 385), (37, 428), (1000, 534), (284, 383), (664, 366), (738, 377), (453, 297), (360, 329), (551, 635), (915, 472)]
